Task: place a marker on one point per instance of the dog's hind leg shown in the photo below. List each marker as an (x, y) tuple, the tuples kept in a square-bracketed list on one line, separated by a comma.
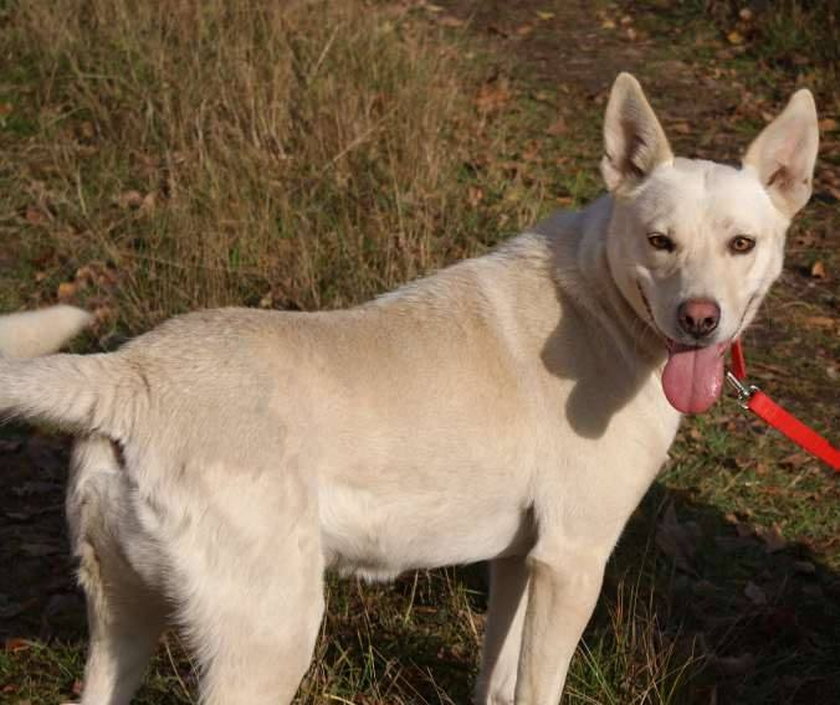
[(249, 586), (125, 623), (503, 636), (126, 615)]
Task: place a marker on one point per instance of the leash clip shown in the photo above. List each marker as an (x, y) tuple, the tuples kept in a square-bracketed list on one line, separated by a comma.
[(744, 392)]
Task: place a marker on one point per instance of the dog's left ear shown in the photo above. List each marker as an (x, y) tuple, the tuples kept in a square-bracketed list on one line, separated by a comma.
[(783, 155), (634, 141)]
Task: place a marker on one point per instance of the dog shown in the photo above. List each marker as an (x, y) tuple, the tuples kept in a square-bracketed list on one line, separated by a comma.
[(512, 408), (41, 332)]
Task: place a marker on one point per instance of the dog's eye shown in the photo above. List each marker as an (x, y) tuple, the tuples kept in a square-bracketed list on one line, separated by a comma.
[(658, 241), (741, 244)]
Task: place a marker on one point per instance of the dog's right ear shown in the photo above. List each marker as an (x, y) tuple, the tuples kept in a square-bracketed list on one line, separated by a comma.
[(634, 141)]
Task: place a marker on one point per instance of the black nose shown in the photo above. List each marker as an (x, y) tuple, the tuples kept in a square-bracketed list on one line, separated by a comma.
[(698, 317)]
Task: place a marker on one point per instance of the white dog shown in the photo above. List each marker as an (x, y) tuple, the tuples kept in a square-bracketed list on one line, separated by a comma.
[(509, 408)]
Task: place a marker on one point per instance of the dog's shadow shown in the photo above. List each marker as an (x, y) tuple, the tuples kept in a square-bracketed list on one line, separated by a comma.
[(690, 595)]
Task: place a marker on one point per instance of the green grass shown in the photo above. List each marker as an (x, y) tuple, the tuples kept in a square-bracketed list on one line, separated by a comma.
[(162, 158)]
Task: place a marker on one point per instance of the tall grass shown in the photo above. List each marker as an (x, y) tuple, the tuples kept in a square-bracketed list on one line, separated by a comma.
[(200, 152)]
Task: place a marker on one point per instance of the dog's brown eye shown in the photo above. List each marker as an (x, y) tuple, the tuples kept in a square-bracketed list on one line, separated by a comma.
[(741, 244), (661, 242)]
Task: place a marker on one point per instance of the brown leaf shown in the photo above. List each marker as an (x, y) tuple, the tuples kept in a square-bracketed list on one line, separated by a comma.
[(14, 644), (818, 270), (675, 540), (735, 37), (772, 538), (450, 21), (67, 290), (734, 665), (130, 199), (795, 460), (558, 127), (475, 195), (819, 322), (35, 216), (828, 125), (493, 95), (755, 594)]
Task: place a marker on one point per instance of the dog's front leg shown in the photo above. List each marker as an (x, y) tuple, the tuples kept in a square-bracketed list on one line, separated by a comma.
[(563, 589), (503, 635)]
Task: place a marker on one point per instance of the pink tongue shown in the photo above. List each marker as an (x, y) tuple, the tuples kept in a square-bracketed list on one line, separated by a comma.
[(693, 378)]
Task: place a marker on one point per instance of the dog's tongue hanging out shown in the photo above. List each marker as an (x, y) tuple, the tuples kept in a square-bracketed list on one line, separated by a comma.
[(693, 377)]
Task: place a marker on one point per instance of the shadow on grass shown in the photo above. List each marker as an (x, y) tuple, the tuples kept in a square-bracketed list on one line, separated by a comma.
[(695, 604)]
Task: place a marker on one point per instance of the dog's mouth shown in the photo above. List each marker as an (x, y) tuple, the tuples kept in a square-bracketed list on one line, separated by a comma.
[(693, 376)]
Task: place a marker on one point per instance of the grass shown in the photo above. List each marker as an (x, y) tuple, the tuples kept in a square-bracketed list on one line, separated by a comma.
[(162, 157)]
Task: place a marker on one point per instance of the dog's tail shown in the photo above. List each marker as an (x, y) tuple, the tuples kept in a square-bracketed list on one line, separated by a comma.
[(100, 393), (41, 332)]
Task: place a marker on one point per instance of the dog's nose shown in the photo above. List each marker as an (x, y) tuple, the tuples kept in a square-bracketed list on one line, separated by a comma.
[(698, 317)]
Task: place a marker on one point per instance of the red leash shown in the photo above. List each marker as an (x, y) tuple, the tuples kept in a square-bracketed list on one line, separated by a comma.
[(752, 398)]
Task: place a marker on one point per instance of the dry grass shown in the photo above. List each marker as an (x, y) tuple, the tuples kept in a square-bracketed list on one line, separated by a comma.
[(187, 154)]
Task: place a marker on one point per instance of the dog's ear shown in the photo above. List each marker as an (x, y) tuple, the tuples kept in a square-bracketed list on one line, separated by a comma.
[(783, 155), (634, 141)]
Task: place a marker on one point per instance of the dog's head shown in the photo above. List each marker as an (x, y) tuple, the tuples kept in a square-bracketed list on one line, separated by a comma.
[(695, 245)]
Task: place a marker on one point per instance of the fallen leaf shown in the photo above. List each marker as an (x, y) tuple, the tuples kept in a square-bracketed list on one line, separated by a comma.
[(677, 541), (38, 550), (35, 216), (818, 270), (130, 199), (558, 127), (450, 21), (772, 538), (545, 15), (148, 203), (67, 290), (735, 37), (15, 644), (493, 95), (755, 594), (819, 322), (475, 195), (733, 665), (828, 125)]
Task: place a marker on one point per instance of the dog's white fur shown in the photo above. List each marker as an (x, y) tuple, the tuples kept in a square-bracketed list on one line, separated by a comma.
[(40, 332), (508, 409)]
